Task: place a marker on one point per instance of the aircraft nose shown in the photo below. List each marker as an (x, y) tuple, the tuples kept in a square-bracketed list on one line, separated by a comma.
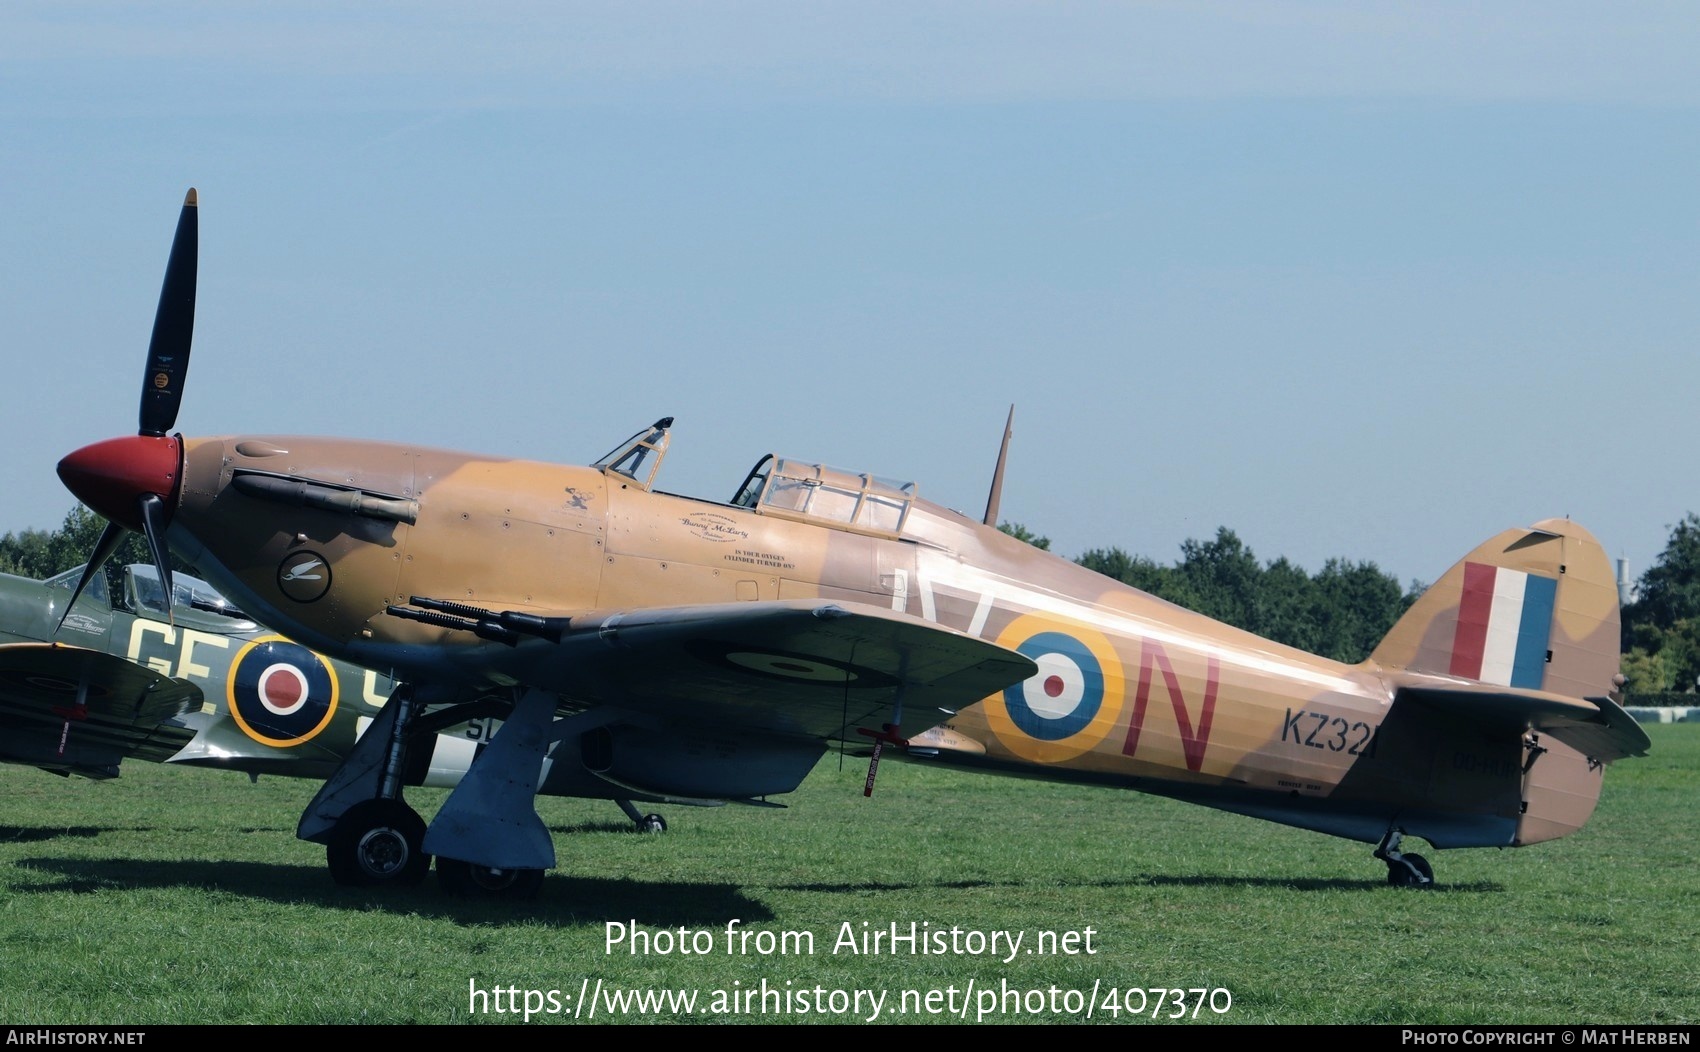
[(111, 476)]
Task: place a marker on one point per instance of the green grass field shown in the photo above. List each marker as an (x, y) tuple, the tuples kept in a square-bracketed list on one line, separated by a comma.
[(182, 896)]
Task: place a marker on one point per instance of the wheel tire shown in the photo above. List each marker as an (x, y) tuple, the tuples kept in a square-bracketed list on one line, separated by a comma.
[(1400, 876), (652, 823), (378, 842), (470, 880)]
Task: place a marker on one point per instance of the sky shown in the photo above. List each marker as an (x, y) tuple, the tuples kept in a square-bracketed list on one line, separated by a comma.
[(1368, 281)]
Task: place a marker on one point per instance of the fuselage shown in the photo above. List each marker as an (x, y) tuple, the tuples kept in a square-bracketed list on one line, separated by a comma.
[(1131, 690)]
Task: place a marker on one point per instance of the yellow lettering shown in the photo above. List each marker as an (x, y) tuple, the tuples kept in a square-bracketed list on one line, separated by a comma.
[(369, 690), (186, 663), (138, 627)]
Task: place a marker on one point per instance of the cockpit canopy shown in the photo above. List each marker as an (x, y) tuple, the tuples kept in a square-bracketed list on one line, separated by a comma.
[(787, 489), (143, 592), (638, 457), (96, 588), (792, 489)]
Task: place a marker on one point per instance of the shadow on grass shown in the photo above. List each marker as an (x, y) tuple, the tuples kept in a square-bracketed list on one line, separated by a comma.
[(566, 901), (594, 827), (569, 901), (38, 834), (1302, 884), (1150, 881)]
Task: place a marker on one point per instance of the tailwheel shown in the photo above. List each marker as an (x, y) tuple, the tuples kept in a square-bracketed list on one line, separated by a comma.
[(471, 880), (1403, 870), (378, 842), (650, 823), (1410, 871)]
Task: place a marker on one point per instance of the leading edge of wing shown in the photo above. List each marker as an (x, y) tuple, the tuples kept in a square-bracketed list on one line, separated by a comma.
[(817, 667), (1596, 727), (43, 682)]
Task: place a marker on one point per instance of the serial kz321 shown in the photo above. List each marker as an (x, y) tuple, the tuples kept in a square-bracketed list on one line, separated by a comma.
[(669, 648)]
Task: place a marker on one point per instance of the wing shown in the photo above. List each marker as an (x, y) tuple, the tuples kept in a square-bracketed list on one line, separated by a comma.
[(72, 709), (809, 668), (1596, 727)]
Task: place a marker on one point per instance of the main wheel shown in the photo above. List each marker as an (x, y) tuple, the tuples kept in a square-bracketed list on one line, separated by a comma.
[(378, 842), (1400, 874), (470, 880), (652, 823)]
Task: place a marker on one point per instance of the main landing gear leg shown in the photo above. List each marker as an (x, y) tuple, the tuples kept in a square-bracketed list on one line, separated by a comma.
[(487, 836), (371, 836), (1403, 870)]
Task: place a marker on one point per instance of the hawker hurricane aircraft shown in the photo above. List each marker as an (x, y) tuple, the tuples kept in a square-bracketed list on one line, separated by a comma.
[(702, 651)]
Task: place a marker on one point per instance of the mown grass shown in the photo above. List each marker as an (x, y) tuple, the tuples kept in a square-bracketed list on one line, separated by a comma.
[(182, 896)]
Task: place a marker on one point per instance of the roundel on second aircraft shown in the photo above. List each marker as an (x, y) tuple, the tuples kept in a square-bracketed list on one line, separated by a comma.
[(1070, 703), (280, 693)]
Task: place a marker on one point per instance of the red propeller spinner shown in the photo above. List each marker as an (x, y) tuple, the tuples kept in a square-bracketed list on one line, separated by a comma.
[(113, 477)]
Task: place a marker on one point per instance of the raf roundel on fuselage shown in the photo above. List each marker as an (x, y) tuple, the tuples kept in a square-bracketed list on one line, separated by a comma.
[(281, 693)]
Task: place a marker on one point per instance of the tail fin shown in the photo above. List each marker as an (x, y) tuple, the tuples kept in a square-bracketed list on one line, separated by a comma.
[(1533, 608)]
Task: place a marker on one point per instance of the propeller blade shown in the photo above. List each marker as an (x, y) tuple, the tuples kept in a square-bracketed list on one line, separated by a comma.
[(118, 471), (154, 518), (110, 539), (173, 327)]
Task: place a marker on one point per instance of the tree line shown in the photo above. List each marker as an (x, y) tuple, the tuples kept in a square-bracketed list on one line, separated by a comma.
[(43, 553), (1661, 627), (1341, 611)]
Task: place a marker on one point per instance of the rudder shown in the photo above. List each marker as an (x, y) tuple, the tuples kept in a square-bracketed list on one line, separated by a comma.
[(1532, 608)]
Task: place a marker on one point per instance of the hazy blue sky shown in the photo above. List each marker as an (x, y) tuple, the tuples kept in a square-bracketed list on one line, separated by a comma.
[(1363, 280)]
